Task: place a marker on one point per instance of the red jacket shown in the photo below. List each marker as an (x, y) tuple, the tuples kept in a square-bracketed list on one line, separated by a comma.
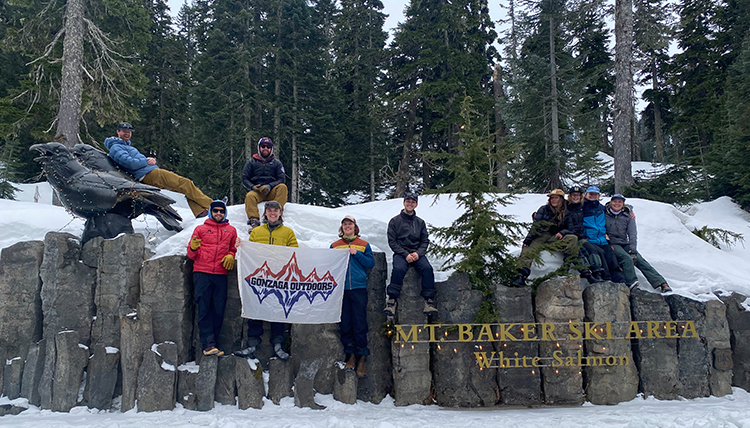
[(217, 240)]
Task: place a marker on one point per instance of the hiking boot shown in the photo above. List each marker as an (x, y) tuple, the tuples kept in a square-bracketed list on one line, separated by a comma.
[(665, 288), (279, 352), (588, 276), (361, 369), (598, 275), (351, 361), (520, 280), (429, 306), (252, 224), (211, 350), (203, 213), (390, 308), (248, 352), (633, 286)]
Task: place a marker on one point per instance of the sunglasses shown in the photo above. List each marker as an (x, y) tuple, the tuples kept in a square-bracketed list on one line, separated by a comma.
[(217, 210), (265, 146)]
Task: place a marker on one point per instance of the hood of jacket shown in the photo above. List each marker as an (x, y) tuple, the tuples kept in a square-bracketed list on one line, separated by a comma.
[(220, 204), (109, 142)]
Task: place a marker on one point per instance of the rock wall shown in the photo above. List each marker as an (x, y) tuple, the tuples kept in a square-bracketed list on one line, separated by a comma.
[(101, 320)]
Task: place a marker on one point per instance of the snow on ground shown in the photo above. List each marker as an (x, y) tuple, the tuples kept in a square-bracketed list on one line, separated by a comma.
[(693, 268), (729, 411)]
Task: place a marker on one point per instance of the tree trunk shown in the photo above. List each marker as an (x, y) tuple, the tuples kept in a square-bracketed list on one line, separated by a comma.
[(71, 85), (555, 182), (658, 137), (231, 176), (623, 106), (402, 176), (295, 152), (500, 131), (372, 167)]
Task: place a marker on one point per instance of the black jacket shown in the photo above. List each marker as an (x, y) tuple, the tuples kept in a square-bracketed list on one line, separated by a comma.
[(574, 221), (543, 222), (259, 171), (408, 234)]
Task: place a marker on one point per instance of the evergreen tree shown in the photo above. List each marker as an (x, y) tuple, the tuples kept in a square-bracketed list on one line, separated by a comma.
[(544, 89), (358, 45), (733, 166), (697, 81), (652, 35), (477, 242), (102, 40), (441, 53)]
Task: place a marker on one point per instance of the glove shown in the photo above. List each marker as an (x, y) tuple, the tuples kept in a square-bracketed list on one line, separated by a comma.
[(265, 189), (228, 262), (195, 243)]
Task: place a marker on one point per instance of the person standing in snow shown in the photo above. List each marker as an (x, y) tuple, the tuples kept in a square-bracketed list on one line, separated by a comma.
[(146, 171), (263, 176), (623, 237), (272, 232), (408, 239), (212, 247), (353, 326)]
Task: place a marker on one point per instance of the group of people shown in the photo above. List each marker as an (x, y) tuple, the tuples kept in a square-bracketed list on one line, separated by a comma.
[(214, 244), (213, 247), (598, 240)]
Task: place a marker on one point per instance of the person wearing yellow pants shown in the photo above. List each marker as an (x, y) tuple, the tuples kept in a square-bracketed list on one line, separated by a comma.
[(263, 176), (145, 170)]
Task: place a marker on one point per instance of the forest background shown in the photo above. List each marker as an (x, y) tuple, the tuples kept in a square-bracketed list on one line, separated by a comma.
[(356, 116)]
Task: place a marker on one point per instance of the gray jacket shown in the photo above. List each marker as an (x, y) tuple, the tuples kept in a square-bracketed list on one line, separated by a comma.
[(621, 228)]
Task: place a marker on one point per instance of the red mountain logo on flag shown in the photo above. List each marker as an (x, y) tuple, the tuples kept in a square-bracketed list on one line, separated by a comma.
[(289, 284)]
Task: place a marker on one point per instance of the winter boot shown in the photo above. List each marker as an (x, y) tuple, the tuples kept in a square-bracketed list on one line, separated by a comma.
[(211, 350), (590, 277), (598, 275), (278, 350), (361, 369), (252, 224), (351, 361), (390, 308), (429, 306), (520, 280), (248, 352)]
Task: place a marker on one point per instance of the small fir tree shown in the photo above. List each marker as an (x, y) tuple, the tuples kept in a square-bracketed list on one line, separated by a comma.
[(477, 242)]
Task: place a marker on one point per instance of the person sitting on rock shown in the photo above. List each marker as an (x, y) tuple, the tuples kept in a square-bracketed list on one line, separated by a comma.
[(408, 239), (589, 254), (145, 170), (594, 223), (353, 326), (623, 237), (263, 176), (549, 221), (212, 248), (272, 232)]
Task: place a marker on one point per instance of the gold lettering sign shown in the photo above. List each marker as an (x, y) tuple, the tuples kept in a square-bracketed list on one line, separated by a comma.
[(541, 332)]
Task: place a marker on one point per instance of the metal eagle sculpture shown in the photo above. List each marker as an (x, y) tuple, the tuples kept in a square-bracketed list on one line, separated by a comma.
[(90, 185)]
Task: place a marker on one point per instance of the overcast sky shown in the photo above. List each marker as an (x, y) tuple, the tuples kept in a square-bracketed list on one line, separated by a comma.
[(393, 8)]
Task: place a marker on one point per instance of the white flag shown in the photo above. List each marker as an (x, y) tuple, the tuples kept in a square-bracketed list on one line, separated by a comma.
[(290, 284)]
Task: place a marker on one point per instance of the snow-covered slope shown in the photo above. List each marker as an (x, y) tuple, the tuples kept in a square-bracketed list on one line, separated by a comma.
[(692, 266)]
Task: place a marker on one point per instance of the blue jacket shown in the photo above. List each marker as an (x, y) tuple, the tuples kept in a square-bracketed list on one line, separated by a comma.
[(359, 262), (128, 157), (594, 222)]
